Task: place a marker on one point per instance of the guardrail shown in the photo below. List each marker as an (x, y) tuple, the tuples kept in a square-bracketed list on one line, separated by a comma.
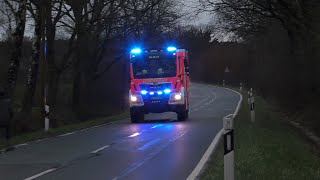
[(228, 137)]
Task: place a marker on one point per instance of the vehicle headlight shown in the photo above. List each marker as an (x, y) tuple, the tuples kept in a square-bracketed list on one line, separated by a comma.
[(177, 97), (133, 98)]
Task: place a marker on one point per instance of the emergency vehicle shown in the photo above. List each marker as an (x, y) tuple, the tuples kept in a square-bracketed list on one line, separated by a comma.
[(159, 82)]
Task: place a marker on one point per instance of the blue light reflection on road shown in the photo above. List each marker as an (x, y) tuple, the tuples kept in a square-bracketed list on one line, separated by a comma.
[(153, 141)]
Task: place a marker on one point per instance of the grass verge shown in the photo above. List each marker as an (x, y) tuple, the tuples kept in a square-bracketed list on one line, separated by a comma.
[(58, 131), (267, 149)]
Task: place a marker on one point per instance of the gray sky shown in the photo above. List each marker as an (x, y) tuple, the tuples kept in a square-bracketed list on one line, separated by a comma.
[(188, 6)]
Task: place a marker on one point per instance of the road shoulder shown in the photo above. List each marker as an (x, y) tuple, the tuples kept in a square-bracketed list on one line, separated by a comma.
[(270, 147), (28, 138), (199, 169)]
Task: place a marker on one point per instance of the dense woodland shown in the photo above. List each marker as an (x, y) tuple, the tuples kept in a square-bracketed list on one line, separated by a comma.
[(274, 48)]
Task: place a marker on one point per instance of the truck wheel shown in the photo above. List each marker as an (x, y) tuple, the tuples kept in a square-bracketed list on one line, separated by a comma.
[(183, 115), (187, 114), (137, 117)]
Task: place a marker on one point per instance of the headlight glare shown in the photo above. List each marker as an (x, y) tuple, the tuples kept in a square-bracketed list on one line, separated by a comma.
[(177, 97), (133, 98)]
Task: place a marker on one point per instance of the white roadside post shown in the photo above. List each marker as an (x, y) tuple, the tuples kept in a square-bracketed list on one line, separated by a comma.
[(46, 119), (240, 86), (252, 109), (223, 83), (228, 147), (46, 107)]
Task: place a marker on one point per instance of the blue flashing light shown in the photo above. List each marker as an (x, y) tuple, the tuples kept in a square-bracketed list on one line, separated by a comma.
[(171, 48), (136, 51), (167, 91), (144, 92), (151, 93), (159, 92)]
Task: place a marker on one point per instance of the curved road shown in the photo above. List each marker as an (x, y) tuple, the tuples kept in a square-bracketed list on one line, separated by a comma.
[(161, 148)]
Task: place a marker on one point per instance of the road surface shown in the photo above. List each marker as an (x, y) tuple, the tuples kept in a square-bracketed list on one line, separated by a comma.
[(160, 148)]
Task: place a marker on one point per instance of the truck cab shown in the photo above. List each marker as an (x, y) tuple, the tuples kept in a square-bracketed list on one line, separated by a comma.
[(159, 82)]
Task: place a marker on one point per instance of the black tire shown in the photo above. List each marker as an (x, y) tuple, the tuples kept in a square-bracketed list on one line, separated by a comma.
[(187, 114), (137, 117), (183, 115)]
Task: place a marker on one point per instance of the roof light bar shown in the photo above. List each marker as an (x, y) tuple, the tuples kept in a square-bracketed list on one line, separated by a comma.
[(171, 48), (136, 51)]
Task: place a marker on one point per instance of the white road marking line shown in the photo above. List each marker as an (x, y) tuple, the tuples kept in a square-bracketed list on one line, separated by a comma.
[(39, 140), (40, 174), (62, 135), (146, 146), (134, 134), (19, 145), (199, 103), (211, 101), (196, 172), (149, 156), (206, 156), (155, 126), (100, 149), (239, 103)]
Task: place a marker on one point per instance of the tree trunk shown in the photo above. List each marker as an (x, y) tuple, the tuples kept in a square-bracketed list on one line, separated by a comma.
[(53, 71), (33, 68), (17, 48)]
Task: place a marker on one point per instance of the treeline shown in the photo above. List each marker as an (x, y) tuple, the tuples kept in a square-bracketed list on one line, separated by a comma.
[(78, 51), (282, 42), (85, 68)]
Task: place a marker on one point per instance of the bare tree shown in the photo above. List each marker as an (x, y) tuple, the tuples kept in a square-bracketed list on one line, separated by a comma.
[(252, 18), (17, 36), (34, 63), (7, 20), (95, 23)]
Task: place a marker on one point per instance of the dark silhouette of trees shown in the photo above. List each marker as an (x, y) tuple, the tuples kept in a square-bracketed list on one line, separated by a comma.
[(17, 38), (283, 41), (96, 37)]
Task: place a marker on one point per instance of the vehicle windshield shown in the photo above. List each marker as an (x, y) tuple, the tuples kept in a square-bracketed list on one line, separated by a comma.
[(154, 68)]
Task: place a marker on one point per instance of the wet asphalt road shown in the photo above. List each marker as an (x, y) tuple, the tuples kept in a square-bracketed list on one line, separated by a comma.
[(160, 148)]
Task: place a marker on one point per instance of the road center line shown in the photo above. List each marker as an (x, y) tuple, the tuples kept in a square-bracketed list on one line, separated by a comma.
[(156, 126), (134, 134), (100, 149), (200, 102), (40, 174), (146, 146), (211, 101), (149, 156)]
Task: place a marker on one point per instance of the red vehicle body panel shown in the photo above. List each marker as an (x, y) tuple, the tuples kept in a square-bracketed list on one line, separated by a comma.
[(181, 79)]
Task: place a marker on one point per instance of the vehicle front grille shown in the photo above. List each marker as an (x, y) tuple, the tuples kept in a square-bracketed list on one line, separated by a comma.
[(155, 86)]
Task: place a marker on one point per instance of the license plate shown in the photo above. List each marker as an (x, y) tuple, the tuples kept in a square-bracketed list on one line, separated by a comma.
[(156, 98)]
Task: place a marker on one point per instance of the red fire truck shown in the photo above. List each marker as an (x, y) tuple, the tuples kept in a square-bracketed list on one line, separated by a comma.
[(159, 82)]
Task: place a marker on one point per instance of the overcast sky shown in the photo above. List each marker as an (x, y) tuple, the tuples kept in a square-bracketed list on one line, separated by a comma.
[(188, 7)]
